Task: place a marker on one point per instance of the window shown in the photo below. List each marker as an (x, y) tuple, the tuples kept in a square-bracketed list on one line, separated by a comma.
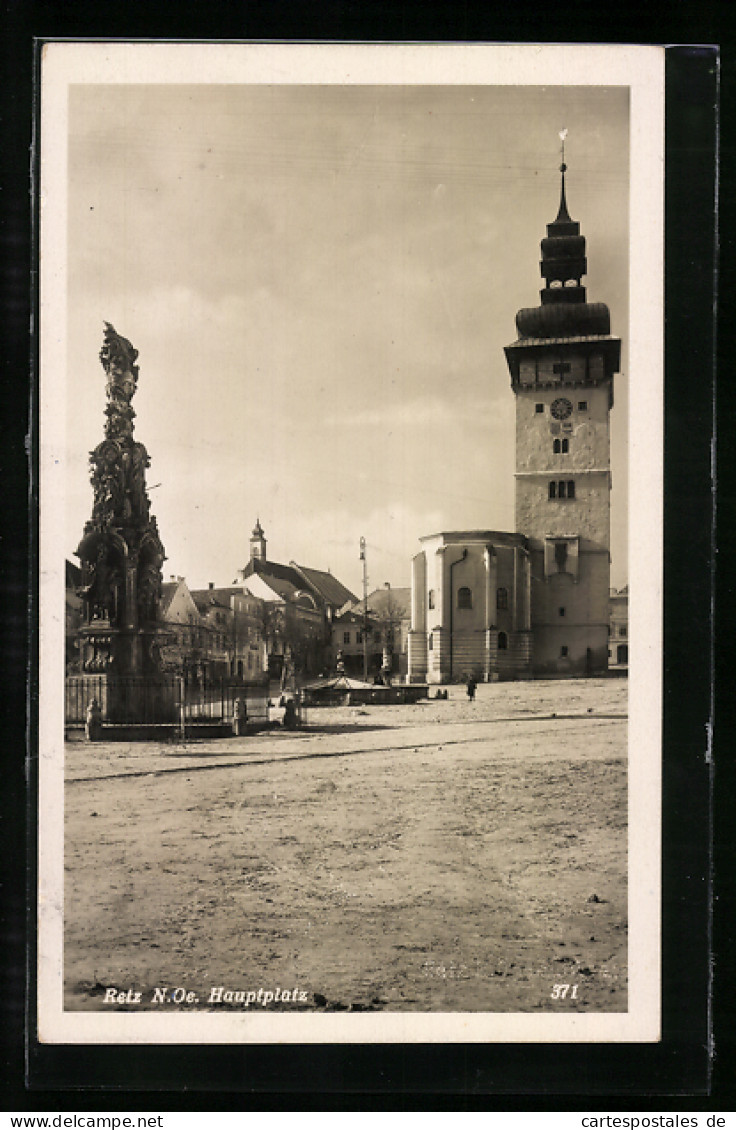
[(561, 556), (556, 447), (346, 637), (622, 630), (565, 446), (562, 611), (563, 652), (582, 406), (464, 598), (561, 367), (358, 637), (564, 488), (539, 408), (503, 641), (502, 598), (431, 642), (430, 600)]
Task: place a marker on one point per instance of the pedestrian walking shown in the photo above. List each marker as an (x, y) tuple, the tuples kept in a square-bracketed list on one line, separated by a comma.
[(471, 688)]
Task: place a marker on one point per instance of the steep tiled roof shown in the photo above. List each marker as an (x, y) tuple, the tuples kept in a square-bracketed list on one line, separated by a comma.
[(353, 617), (378, 603), (168, 588), (287, 580), (284, 586), (73, 575), (272, 569), (207, 597), (205, 606), (328, 587)]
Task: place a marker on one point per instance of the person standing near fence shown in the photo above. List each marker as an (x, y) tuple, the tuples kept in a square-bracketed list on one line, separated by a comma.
[(93, 723), (240, 717)]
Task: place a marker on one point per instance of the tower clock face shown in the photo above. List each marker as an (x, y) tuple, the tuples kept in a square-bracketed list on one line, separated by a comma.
[(561, 408)]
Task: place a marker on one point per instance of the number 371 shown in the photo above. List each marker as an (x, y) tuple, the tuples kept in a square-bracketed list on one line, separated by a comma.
[(559, 992)]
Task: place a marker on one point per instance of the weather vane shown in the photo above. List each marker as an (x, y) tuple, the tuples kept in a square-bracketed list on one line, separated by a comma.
[(563, 135)]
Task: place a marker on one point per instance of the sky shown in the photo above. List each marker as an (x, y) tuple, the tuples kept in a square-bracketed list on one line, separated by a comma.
[(320, 281)]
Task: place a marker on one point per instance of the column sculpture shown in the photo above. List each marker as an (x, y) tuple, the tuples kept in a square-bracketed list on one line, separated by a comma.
[(121, 553)]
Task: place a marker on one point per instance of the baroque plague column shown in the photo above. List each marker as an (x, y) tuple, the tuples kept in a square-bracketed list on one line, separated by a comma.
[(121, 552)]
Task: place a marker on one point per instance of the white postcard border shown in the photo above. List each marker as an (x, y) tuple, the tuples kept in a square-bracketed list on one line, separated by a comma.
[(642, 70)]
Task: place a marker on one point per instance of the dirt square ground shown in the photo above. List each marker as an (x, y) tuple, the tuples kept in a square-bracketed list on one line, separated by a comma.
[(443, 856)]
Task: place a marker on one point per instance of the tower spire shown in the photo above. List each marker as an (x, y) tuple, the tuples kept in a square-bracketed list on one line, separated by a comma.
[(258, 543), (563, 216), (564, 311)]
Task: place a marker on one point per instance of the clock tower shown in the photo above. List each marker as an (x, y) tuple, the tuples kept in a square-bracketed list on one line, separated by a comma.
[(562, 366)]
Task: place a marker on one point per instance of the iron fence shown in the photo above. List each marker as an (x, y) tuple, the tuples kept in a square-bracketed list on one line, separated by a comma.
[(162, 700), (214, 701)]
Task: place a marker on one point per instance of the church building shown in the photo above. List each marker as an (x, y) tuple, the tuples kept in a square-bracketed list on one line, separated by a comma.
[(534, 603), (299, 604)]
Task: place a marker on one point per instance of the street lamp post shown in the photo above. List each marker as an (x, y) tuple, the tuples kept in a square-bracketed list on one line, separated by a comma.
[(389, 637), (365, 610)]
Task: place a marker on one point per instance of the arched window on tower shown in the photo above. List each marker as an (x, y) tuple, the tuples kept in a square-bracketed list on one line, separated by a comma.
[(430, 599), (464, 598), (565, 446), (556, 447), (571, 488), (553, 490), (503, 641), (561, 489), (502, 598)]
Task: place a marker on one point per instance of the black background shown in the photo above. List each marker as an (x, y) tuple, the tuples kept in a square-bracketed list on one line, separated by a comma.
[(682, 1073)]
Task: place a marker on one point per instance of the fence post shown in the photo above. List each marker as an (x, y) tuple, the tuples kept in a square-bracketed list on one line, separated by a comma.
[(182, 708)]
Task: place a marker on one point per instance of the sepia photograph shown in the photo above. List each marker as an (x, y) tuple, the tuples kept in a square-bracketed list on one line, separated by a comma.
[(350, 486)]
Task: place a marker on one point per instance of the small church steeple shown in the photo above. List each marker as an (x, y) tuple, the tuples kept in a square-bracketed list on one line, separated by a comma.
[(258, 543)]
